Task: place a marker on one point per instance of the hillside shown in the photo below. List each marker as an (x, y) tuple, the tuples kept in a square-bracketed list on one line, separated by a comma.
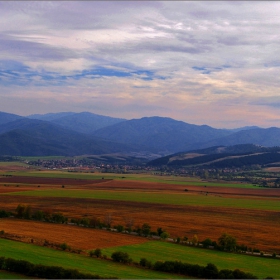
[(162, 135), (38, 138), (267, 137), (6, 118), (222, 157)]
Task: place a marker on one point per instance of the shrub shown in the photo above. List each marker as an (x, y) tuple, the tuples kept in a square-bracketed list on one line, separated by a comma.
[(121, 257), (64, 246), (211, 271), (207, 242), (95, 253), (145, 263), (120, 228), (4, 214)]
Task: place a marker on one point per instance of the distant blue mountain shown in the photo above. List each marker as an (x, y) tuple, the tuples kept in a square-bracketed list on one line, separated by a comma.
[(6, 117), (71, 133), (84, 122), (158, 134)]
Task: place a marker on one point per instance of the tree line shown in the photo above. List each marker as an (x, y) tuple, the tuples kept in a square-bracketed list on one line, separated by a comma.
[(43, 271), (210, 271)]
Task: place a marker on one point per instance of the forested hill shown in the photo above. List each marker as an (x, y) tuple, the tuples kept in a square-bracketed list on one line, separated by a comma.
[(222, 157)]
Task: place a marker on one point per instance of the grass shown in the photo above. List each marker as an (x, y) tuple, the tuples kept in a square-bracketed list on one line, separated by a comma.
[(156, 251), (10, 275), (46, 256), (13, 163), (164, 198)]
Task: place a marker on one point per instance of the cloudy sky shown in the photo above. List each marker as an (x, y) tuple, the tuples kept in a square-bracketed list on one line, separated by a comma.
[(214, 63)]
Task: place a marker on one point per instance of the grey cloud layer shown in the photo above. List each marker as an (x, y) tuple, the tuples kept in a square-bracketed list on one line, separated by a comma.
[(197, 52)]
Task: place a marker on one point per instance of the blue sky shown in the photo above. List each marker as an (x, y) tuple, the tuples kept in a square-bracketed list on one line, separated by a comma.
[(202, 62)]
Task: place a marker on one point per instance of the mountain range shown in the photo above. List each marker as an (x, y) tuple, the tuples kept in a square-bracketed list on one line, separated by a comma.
[(85, 133)]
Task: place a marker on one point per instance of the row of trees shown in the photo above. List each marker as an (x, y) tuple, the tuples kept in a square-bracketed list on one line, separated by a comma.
[(210, 271), (43, 271), (23, 211)]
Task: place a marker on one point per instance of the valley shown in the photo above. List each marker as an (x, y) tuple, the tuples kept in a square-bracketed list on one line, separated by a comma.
[(105, 205)]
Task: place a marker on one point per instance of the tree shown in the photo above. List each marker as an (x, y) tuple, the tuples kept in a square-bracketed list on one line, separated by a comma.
[(38, 215), (95, 253), (129, 222), (121, 257), (211, 271), (207, 242), (195, 240), (227, 242), (159, 231), (64, 246), (108, 220), (146, 228), (164, 235), (58, 218), (145, 263), (23, 211), (119, 228)]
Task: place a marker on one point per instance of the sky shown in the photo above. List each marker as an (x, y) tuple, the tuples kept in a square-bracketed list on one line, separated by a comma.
[(201, 62)]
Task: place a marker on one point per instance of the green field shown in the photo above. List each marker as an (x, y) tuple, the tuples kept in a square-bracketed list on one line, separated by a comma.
[(163, 251), (13, 163), (183, 198), (49, 257)]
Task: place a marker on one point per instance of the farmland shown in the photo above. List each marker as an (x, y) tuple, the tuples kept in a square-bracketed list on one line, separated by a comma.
[(153, 251), (182, 206), (42, 255)]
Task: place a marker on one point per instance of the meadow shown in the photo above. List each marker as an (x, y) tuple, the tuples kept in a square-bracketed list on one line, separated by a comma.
[(46, 256), (165, 251)]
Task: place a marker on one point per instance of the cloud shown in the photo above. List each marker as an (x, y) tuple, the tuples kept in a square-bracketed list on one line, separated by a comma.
[(177, 58)]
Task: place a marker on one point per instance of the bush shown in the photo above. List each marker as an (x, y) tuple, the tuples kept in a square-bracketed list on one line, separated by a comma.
[(4, 214), (207, 242), (227, 242), (211, 271), (96, 253), (120, 228), (145, 263), (121, 257), (64, 246)]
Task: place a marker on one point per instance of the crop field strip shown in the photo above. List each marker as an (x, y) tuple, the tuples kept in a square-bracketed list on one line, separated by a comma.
[(155, 251), (151, 250), (162, 198), (134, 177), (77, 237), (42, 255), (251, 227), (179, 220)]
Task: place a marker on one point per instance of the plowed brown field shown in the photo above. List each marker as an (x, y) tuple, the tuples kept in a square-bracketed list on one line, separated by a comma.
[(254, 228), (53, 181), (76, 237)]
